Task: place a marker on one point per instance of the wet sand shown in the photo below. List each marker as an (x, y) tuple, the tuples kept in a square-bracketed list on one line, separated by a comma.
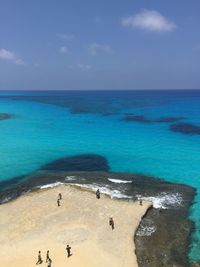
[(33, 222)]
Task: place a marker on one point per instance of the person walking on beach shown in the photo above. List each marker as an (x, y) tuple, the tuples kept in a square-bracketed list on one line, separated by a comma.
[(68, 248), (140, 202), (58, 202), (98, 194), (49, 262), (47, 256), (59, 196), (111, 223), (39, 258)]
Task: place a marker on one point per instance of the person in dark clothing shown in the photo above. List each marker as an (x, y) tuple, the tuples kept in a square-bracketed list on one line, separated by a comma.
[(47, 256), (140, 202), (39, 258), (68, 248), (58, 202), (98, 194), (59, 196), (111, 223), (49, 262)]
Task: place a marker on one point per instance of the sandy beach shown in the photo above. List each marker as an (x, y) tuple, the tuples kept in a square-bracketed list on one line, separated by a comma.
[(34, 222)]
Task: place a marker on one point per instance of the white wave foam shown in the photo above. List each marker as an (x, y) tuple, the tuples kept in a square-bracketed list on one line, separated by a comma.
[(50, 185), (164, 200), (118, 181), (146, 230), (113, 193), (70, 178), (6, 199)]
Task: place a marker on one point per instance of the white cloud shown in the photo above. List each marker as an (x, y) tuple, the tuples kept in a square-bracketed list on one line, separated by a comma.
[(84, 67), (64, 50), (10, 56), (65, 36), (149, 20), (7, 55), (95, 48)]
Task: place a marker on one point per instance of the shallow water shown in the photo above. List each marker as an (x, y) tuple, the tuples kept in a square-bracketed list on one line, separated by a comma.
[(51, 125)]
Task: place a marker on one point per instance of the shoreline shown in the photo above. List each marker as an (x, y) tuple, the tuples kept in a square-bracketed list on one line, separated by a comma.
[(86, 228)]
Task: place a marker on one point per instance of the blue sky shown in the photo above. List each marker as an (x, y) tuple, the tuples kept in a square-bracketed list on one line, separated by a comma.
[(93, 44)]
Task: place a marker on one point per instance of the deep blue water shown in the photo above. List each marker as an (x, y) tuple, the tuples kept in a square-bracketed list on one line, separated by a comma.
[(50, 125)]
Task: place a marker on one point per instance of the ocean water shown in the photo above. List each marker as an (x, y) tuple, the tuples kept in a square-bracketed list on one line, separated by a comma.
[(49, 125)]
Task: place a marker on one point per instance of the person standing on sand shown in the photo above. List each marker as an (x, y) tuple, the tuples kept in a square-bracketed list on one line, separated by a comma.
[(59, 196), (39, 258), (98, 194), (58, 202), (68, 248), (49, 262), (140, 202), (111, 223), (47, 256)]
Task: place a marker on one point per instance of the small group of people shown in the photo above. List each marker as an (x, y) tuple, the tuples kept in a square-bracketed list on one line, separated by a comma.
[(68, 248), (48, 260), (59, 199)]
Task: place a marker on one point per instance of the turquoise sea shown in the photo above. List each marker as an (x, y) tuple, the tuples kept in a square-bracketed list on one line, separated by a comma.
[(122, 126)]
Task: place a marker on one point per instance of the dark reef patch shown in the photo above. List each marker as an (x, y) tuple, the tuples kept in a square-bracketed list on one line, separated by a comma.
[(5, 116), (185, 128), (169, 119), (137, 118), (87, 162), (141, 118)]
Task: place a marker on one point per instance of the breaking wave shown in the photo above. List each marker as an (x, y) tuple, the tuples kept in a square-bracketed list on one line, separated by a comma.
[(50, 185), (118, 181), (164, 200), (113, 193)]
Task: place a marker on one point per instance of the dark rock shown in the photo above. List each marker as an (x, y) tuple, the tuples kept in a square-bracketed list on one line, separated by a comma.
[(78, 163), (185, 128), (169, 244)]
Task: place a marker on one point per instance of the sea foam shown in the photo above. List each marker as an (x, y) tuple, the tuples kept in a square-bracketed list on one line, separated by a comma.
[(164, 200), (146, 230), (50, 185), (70, 178), (118, 181), (113, 193)]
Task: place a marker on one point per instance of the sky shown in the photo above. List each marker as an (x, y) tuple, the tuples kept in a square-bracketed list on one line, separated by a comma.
[(99, 44)]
